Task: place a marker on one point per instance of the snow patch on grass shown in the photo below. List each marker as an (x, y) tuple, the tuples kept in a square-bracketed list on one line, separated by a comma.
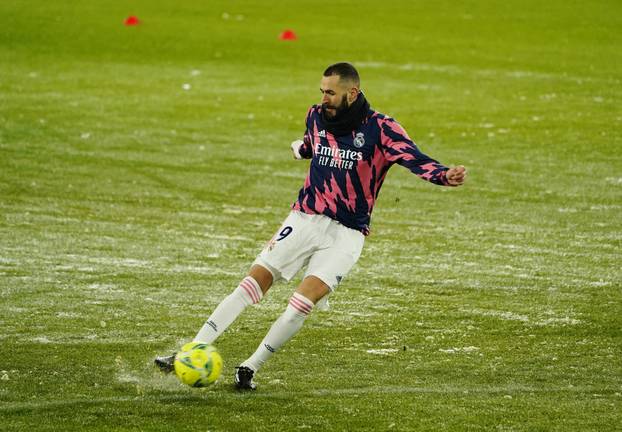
[(504, 315), (225, 237), (558, 321), (202, 270), (102, 287), (382, 351), (511, 316), (468, 349), (68, 315), (124, 377)]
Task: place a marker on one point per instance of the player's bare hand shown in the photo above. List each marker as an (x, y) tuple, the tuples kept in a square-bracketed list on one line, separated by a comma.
[(456, 175)]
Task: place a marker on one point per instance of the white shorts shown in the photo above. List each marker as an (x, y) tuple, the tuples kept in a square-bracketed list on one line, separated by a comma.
[(328, 249)]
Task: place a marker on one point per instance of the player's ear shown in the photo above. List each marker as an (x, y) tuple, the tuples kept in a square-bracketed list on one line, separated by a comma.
[(353, 93)]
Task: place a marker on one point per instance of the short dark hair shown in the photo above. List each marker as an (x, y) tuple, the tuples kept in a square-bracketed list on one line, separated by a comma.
[(344, 71)]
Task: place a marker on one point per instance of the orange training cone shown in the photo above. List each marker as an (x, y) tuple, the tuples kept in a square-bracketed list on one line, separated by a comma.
[(288, 35), (132, 21)]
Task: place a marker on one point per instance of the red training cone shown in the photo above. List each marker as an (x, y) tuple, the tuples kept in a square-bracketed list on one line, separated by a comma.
[(288, 35), (132, 21)]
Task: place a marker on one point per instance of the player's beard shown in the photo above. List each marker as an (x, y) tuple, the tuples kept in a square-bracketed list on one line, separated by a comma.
[(342, 107), (347, 117)]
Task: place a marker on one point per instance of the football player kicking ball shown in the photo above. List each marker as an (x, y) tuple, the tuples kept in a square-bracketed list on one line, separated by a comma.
[(351, 148)]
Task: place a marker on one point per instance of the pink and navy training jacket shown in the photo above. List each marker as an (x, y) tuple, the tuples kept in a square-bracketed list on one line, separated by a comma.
[(346, 172)]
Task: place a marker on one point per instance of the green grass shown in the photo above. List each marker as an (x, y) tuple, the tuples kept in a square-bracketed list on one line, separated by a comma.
[(130, 207)]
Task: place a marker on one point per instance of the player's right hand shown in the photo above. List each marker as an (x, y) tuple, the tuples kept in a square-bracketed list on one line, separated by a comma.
[(296, 148)]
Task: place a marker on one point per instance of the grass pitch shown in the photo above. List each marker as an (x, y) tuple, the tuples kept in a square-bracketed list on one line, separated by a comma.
[(143, 168)]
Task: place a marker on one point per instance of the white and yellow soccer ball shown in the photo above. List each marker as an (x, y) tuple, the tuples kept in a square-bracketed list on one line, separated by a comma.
[(198, 364)]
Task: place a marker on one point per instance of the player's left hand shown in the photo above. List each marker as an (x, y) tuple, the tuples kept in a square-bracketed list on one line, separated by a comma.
[(456, 175)]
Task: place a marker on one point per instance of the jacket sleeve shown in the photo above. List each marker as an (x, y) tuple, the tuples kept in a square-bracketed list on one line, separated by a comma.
[(399, 148)]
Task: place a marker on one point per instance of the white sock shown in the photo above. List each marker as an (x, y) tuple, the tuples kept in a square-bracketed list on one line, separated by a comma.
[(283, 329), (246, 294)]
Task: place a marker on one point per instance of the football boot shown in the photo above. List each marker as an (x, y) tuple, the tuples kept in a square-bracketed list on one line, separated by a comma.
[(166, 363), (244, 378)]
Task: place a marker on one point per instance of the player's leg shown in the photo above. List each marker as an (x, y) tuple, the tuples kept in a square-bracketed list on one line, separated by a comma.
[(282, 257), (337, 255), (250, 291), (309, 292)]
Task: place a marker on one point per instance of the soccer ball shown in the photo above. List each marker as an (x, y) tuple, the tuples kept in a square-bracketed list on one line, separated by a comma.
[(198, 364)]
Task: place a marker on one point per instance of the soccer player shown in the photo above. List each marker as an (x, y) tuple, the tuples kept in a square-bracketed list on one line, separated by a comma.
[(351, 148)]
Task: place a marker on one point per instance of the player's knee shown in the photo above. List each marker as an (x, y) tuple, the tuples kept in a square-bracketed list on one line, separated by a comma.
[(313, 288), (263, 276), (248, 291), (299, 307)]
